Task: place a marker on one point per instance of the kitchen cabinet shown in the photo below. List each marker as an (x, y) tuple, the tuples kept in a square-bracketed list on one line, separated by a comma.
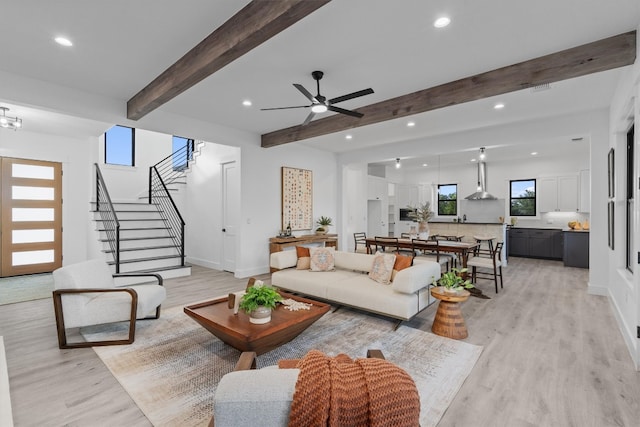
[(535, 243), (407, 195), (377, 188), (558, 194), (576, 249)]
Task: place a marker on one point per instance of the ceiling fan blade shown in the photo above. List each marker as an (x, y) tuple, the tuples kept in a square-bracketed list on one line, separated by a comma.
[(343, 111), (351, 96), (308, 119), (285, 108), (305, 92)]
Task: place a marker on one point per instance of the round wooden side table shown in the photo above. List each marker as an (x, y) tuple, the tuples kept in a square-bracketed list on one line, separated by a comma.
[(449, 321)]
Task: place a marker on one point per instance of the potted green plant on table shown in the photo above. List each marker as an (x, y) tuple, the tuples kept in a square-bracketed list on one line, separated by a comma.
[(453, 282), (258, 301), (422, 214), (324, 222)]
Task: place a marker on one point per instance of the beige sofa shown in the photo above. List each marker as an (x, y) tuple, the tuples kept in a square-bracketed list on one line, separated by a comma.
[(350, 285)]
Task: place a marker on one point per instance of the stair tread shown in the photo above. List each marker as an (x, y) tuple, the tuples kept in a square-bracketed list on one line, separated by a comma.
[(135, 219), (129, 239), (131, 211), (139, 228), (155, 258), (140, 248)]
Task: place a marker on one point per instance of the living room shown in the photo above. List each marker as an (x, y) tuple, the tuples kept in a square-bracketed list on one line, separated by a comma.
[(79, 116)]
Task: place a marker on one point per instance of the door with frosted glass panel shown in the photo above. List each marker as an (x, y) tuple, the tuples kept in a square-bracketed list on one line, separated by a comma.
[(30, 216)]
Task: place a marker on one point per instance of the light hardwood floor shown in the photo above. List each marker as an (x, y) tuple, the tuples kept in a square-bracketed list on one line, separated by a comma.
[(553, 356)]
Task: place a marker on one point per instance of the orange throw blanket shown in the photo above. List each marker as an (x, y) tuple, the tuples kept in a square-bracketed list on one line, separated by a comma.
[(341, 392)]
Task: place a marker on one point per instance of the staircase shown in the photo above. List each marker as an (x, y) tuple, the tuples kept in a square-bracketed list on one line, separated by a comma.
[(146, 241), (147, 236)]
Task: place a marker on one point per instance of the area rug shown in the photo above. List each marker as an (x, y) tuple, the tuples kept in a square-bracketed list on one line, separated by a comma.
[(25, 288), (172, 369)]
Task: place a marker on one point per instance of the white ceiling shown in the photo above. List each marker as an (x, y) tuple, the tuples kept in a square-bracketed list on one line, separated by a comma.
[(121, 45)]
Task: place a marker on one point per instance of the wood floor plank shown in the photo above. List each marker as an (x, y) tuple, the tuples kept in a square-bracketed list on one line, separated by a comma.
[(553, 356)]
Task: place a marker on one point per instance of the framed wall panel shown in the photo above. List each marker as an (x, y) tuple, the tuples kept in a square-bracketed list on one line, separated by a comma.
[(297, 198)]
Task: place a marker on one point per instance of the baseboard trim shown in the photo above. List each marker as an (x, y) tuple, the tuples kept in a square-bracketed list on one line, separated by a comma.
[(242, 273), (204, 263), (629, 336)]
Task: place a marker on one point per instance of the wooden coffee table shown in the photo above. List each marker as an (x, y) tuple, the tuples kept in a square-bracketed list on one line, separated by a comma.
[(238, 332)]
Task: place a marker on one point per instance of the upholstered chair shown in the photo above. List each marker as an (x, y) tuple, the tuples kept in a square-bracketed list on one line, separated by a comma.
[(249, 396), (86, 294)]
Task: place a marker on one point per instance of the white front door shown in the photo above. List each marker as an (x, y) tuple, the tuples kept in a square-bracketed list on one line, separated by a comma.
[(230, 214)]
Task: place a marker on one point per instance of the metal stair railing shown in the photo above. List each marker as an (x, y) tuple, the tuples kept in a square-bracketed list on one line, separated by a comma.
[(159, 195), (109, 217), (172, 167)]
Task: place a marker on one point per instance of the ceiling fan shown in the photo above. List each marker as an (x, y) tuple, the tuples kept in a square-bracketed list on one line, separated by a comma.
[(320, 104)]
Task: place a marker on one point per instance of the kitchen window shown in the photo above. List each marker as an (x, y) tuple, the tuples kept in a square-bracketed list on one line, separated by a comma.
[(119, 146), (448, 199), (522, 197)]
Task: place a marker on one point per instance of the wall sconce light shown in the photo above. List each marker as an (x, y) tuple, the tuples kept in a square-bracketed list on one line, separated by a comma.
[(398, 163), (482, 155), (9, 122)]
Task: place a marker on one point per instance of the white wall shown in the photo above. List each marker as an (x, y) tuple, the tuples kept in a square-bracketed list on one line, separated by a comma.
[(261, 197), (126, 183), (78, 237), (623, 287)]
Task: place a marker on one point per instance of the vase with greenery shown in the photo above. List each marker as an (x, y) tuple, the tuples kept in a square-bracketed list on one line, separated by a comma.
[(258, 301), (422, 214), (324, 222), (453, 282)]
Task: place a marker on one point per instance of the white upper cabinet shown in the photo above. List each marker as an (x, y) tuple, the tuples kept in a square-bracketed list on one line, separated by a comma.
[(377, 188), (407, 195), (558, 194)]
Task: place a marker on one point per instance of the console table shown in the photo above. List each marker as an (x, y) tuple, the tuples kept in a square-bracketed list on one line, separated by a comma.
[(277, 244)]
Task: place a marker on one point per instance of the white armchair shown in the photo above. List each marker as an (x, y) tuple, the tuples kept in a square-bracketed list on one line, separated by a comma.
[(86, 294)]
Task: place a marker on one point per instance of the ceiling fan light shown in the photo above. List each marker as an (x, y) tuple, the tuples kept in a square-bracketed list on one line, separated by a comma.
[(319, 108)]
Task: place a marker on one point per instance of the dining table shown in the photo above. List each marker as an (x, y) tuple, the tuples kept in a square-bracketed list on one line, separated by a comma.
[(461, 249)]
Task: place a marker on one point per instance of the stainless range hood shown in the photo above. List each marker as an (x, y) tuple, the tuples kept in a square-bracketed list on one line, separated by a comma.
[(481, 194)]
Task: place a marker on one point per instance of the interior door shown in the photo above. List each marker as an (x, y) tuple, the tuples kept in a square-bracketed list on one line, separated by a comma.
[(230, 214), (374, 218), (30, 216)]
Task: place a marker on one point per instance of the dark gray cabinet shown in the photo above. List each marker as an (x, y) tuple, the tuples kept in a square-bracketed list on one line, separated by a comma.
[(535, 243), (576, 249)]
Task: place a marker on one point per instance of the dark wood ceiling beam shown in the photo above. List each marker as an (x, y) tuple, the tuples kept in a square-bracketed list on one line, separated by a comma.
[(602, 55), (256, 23)]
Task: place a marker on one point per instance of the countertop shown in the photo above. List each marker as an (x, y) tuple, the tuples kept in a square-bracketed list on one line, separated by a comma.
[(465, 222)]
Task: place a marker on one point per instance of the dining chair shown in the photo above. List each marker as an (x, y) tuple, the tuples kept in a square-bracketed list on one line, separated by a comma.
[(387, 244), (360, 239), (487, 267), (432, 254)]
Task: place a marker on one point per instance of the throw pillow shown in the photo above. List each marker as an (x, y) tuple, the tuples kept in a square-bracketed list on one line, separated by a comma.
[(304, 258), (322, 259), (402, 262), (382, 268)]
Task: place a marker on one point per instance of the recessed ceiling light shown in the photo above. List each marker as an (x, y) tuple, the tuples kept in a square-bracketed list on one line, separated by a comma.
[(442, 22), (473, 160), (534, 153), (348, 136), (411, 124), (498, 106), (63, 41), (247, 103), (424, 165)]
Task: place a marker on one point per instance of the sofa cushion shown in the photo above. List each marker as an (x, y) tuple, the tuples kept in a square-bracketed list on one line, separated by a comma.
[(322, 259), (311, 283), (417, 277), (382, 267), (402, 262), (246, 398), (304, 258), (283, 259), (353, 261)]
